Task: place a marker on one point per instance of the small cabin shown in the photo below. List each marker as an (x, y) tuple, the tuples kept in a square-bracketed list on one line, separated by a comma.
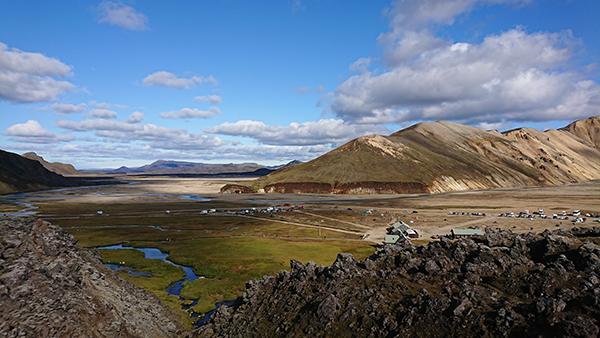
[(467, 232), (391, 239)]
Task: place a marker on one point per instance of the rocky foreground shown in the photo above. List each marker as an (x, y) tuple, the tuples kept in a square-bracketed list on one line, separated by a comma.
[(49, 287), (500, 284)]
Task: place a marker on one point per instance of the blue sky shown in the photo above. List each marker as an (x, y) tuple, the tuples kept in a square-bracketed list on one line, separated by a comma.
[(282, 76)]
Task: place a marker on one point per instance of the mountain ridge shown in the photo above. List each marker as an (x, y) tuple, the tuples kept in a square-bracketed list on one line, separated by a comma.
[(184, 167), (56, 167), (442, 156), (18, 174)]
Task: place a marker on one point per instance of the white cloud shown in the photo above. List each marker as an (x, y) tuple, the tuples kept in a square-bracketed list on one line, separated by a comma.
[(168, 79), (361, 65), (511, 76), (121, 15), (212, 99), (492, 126), (31, 128), (31, 77), (191, 113), (103, 113), (33, 132), (419, 14), (90, 154), (136, 117), (325, 131), (68, 108), (155, 136)]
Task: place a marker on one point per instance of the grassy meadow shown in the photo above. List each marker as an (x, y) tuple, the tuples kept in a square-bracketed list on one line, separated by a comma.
[(227, 250)]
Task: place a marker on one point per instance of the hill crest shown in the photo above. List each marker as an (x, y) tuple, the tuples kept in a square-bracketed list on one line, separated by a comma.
[(444, 156)]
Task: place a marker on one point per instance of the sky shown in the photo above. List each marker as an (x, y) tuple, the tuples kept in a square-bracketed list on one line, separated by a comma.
[(102, 84)]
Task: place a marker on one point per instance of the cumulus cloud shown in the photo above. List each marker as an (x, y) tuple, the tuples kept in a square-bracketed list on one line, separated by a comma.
[(191, 113), (106, 154), (361, 65), (102, 113), (212, 99), (168, 79), (510, 76), (68, 108), (136, 117), (121, 15), (31, 77), (325, 131), (33, 132), (154, 136)]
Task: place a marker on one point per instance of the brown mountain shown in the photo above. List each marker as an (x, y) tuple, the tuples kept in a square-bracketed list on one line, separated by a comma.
[(57, 167), (434, 157), (588, 130), (18, 173)]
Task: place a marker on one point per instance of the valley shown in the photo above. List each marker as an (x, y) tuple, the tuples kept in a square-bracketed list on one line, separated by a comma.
[(232, 244)]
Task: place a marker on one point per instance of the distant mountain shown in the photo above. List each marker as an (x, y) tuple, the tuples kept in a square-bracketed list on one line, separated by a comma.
[(18, 173), (194, 168), (434, 157), (287, 165), (57, 167)]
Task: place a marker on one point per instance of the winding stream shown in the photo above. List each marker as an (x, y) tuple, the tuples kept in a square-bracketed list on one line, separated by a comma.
[(173, 289), (18, 199), (155, 253)]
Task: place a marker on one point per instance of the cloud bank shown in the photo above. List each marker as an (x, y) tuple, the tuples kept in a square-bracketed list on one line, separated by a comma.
[(511, 76)]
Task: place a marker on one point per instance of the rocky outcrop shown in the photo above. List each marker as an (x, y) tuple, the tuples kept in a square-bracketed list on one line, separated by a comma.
[(500, 284), (380, 188), (236, 189), (51, 288), (299, 188), (346, 188)]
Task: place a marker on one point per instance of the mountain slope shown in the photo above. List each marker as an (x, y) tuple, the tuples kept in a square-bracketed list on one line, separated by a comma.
[(588, 130), (21, 174), (56, 167), (443, 156), (49, 287)]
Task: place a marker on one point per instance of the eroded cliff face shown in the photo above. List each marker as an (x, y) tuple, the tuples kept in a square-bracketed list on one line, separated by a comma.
[(49, 287), (500, 284)]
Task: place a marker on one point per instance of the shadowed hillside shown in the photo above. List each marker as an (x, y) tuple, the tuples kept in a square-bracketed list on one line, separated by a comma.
[(18, 173), (56, 167)]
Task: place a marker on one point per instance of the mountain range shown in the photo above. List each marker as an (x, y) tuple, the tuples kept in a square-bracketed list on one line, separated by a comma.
[(56, 167), (435, 157), (18, 173), (164, 167), (428, 157)]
